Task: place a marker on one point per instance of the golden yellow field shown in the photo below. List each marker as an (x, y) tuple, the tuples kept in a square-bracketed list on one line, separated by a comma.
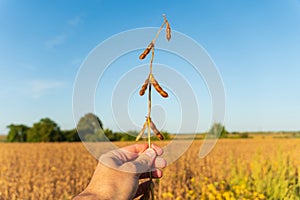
[(235, 169)]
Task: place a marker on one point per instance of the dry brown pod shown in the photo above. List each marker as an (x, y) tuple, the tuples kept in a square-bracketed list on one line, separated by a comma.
[(158, 88), (144, 87), (146, 51), (157, 133), (168, 30)]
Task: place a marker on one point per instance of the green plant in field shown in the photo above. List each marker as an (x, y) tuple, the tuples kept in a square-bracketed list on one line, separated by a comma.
[(277, 180)]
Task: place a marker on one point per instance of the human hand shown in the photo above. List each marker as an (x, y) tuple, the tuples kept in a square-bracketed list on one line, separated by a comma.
[(118, 172)]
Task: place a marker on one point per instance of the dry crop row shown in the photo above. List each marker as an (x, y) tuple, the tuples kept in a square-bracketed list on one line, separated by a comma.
[(235, 169)]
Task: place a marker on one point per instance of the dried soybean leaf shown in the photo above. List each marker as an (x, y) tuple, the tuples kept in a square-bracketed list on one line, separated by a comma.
[(141, 132), (156, 131), (144, 87), (146, 51), (158, 88), (168, 30)]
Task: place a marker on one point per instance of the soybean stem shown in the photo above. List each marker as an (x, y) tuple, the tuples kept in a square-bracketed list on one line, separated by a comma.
[(149, 115), (151, 62), (149, 99), (158, 32)]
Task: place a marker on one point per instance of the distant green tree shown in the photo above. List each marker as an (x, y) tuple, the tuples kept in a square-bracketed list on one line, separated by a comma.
[(244, 135), (129, 136), (90, 128), (70, 135), (166, 135), (120, 136), (17, 133), (218, 129), (109, 134), (116, 136), (45, 130), (98, 136)]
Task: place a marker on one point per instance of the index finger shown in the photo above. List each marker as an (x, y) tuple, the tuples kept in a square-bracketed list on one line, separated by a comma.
[(130, 153), (133, 151), (119, 156), (135, 148)]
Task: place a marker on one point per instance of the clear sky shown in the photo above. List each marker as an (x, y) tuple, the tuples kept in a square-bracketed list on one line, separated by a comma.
[(255, 45)]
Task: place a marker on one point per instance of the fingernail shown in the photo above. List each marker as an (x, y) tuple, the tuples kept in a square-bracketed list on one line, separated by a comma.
[(151, 153)]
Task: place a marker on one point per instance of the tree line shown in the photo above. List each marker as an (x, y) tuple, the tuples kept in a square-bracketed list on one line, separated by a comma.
[(46, 130), (89, 128)]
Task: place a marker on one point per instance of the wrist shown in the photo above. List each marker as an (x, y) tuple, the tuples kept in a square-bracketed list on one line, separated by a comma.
[(106, 191), (87, 195)]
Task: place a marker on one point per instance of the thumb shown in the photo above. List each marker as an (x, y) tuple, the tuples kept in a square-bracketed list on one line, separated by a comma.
[(142, 164)]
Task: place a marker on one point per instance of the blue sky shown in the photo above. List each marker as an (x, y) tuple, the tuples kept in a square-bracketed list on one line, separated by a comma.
[(254, 44)]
